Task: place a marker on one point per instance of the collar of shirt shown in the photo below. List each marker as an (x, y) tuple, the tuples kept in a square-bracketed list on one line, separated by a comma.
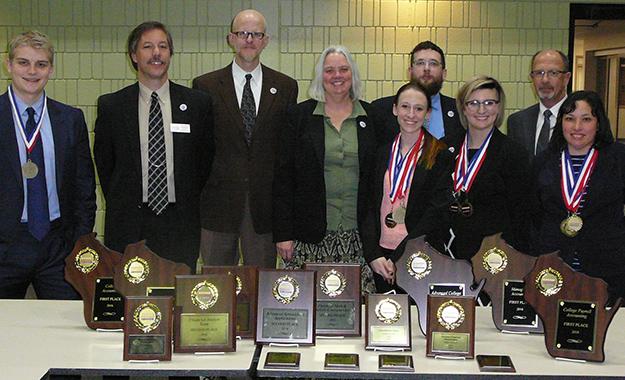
[(239, 75), (357, 110), (554, 114), (435, 125), (21, 108), (145, 94)]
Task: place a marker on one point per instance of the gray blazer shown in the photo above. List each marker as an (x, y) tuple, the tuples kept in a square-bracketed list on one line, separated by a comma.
[(522, 128)]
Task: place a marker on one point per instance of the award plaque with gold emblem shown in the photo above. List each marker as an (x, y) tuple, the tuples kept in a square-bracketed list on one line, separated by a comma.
[(422, 270), (451, 326), (573, 308), (338, 299), (89, 269), (286, 306), (205, 313), (387, 321), (246, 278), (148, 327), (504, 268), (142, 272)]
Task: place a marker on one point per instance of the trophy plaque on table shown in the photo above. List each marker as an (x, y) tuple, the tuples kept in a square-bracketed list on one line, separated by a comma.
[(422, 270), (148, 327), (286, 306), (387, 321), (572, 307), (140, 271), (451, 326), (89, 269), (205, 313), (338, 299), (504, 268), (246, 281)]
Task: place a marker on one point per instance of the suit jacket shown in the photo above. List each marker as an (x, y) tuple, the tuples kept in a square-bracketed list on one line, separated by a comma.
[(387, 127), (239, 170), (522, 128), (500, 198), (118, 159), (426, 210), (75, 179), (299, 191)]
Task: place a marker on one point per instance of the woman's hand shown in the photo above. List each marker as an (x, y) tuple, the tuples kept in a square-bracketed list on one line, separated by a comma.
[(285, 249), (385, 268)]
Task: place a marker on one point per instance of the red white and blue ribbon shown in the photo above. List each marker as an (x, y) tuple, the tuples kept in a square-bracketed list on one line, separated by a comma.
[(573, 185), (465, 172), (29, 143), (400, 167)]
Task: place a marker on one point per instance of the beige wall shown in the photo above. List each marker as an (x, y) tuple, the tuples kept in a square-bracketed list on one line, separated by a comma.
[(490, 37)]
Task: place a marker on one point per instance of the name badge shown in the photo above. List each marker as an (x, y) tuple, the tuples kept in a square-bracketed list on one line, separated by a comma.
[(180, 128)]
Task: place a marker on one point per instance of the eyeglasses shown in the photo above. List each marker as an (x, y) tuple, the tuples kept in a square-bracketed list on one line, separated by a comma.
[(422, 63), (474, 105), (245, 34), (549, 73)]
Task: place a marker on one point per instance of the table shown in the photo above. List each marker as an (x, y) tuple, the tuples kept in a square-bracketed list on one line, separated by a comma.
[(39, 337), (528, 353)]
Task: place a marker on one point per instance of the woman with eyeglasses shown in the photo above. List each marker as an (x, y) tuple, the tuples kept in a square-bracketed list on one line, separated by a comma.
[(579, 192), (490, 176), (321, 183)]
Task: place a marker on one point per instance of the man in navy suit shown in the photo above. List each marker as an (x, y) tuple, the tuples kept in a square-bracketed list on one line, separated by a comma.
[(47, 196)]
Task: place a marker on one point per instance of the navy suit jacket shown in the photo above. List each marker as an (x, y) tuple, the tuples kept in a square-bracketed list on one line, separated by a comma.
[(75, 180)]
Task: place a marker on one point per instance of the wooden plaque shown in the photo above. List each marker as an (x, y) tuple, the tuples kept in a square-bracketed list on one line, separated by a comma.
[(246, 278), (89, 269), (205, 313), (286, 306), (572, 307), (338, 299), (387, 321), (451, 326), (422, 270), (504, 268), (140, 270), (148, 328)]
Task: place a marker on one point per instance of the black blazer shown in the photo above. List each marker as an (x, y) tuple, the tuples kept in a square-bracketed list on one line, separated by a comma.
[(522, 128), (387, 126), (428, 202), (500, 198), (601, 242), (118, 158), (75, 179), (299, 193)]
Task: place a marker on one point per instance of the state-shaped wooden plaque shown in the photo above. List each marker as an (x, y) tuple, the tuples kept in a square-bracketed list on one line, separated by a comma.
[(89, 269), (422, 270), (140, 271), (504, 268), (572, 307)]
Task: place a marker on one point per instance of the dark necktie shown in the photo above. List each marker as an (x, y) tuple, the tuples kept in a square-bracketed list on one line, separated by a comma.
[(157, 166), (38, 214), (248, 109), (543, 137)]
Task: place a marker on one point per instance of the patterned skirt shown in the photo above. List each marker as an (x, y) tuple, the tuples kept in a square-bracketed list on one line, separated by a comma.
[(336, 247)]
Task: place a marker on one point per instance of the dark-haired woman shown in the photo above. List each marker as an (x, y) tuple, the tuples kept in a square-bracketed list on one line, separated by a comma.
[(579, 184)]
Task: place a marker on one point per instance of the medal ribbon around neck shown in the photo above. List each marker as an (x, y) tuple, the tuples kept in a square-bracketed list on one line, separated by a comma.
[(400, 168), (573, 186), (465, 172), (30, 144)]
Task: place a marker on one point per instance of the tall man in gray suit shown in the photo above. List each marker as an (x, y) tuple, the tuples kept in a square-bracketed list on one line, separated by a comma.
[(249, 102), (532, 127)]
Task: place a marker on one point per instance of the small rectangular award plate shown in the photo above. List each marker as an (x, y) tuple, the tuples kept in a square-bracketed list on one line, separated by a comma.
[(495, 363), (388, 321), (341, 362), (205, 313), (108, 304), (338, 299), (575, 326), (517, 312), (148, 326), (450, 326), (450, 290), (284, 360), (160, 291), (286, 306), (395, 363)]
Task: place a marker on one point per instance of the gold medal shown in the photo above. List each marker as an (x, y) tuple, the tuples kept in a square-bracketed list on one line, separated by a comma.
[(388, 311), (494, 260), (30, 169), (147, 317), (204, 295), (136, 270), (86, 260), (549, 282), (419, 265), (285, 289), (388, 220), (450, 315), (571, 225), (333, 283)]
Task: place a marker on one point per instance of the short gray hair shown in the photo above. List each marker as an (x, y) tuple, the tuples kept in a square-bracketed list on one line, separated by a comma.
[(316, 90)]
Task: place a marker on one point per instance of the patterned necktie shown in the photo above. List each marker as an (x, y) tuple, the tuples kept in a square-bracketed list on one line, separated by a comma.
[(38, 214), (248, 109), (543, 137), (157, 166)]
